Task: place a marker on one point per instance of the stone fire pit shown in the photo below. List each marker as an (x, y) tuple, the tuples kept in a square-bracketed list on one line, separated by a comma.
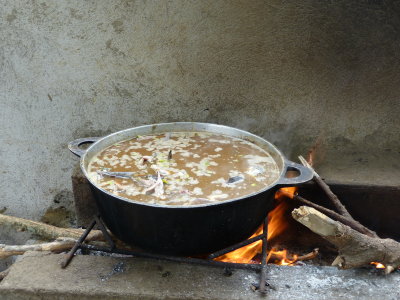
[(39, 276)]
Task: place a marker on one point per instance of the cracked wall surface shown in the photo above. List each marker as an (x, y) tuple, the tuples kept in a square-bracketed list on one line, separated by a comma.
[(290, 71)]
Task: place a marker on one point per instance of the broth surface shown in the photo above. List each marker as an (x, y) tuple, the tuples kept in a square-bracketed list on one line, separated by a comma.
[(183, 168)]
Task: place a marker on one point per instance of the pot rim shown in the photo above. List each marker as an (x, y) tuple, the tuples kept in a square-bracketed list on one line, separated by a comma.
[(282, 172)]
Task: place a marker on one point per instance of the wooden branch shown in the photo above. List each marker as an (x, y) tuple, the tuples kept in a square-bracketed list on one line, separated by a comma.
[(59, 245), (275, 255), (322, 184), (45, 231), (313, 254), (355, 249), (349, 222)]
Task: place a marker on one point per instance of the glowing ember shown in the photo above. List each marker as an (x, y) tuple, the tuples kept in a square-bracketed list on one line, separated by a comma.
[(378, 265), (281, 257), (276, 226)]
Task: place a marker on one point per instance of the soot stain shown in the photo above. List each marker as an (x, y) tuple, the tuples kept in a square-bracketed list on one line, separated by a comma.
[(117, 268), (11, 17), (118, 26), (61, 212)]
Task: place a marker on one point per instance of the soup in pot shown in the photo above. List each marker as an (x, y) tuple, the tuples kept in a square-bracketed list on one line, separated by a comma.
[(183, 168)]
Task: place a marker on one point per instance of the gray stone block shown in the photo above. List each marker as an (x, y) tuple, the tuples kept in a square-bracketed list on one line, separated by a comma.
[(85, 204), (98, 277)]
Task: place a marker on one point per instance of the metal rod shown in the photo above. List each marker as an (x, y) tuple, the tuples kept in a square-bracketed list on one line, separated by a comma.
[(264, 257), (78, 244), (235, 247), (189, 260), (105, 232)]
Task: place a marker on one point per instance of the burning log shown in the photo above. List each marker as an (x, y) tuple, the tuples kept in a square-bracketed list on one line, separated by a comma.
[(45, 231), (285, 259), (309, 256), (355, 249)]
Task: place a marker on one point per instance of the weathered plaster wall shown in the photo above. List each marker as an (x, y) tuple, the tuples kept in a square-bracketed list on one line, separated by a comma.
[(287, 70)]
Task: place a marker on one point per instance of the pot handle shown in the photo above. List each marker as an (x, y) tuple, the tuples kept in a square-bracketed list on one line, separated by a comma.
[(305, 174), (74, 145)]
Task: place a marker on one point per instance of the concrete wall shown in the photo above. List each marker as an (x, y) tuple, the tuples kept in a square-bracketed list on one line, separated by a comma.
[(287, 70)]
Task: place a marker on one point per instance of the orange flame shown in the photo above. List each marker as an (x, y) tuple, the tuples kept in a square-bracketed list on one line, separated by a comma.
[(276, 225), (283, 257), (378, 265)]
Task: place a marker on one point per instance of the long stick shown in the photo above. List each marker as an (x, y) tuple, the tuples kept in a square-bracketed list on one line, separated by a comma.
[(351, 223), (59, 245), (46, 231), (322, 184)]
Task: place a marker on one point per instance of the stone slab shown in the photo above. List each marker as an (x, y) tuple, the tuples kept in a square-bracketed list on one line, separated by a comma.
[(98, 277), (361, 168), (85, 205)]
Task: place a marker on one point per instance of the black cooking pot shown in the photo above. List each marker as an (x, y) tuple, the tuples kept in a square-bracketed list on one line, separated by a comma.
[(186, 230)]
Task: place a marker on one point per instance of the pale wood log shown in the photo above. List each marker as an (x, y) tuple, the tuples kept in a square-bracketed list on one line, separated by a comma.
[(332, 214), (355, 249), (59, 245), (45, 231)]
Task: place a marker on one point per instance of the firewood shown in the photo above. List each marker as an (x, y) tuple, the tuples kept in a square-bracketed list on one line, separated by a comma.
[(59, 245), (309, 256), (334, 215), (275, 255), (347, 218), (45, 231), (325, 187), (355, 249)]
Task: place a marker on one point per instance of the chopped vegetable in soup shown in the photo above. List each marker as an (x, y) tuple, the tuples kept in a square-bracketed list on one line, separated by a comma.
[(183, 168)]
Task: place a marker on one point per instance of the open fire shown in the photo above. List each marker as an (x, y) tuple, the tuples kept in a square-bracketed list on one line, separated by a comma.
[(378, 265), (276, 226)]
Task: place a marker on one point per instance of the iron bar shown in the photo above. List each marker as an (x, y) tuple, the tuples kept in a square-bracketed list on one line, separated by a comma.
[(264, 257), (105, 232), (235, 247), (189, 260), (78, 244)]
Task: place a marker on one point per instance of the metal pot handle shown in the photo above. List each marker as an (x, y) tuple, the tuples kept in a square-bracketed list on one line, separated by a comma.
[(305, 174), (74, 145)]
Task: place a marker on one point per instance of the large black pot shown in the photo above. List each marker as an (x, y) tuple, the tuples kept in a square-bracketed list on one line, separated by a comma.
[(186, 230)]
